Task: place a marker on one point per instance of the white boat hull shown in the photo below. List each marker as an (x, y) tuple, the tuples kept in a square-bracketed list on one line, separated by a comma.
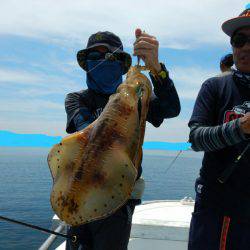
[(159, 225)]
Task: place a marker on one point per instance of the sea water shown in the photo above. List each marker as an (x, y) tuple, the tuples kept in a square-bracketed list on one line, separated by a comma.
[(25, 185)]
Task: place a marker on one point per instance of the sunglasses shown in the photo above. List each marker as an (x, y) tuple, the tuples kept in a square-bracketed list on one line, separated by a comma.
[(97, 55), (239, 40)]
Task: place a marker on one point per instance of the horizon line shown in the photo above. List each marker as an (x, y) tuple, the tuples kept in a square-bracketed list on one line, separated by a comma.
[(12, 139)]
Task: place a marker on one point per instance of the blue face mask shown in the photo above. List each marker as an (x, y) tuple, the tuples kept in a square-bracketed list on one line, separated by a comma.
[(104, 76)]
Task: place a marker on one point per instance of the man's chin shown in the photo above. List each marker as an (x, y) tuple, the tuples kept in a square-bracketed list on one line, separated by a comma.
[(245, 68)]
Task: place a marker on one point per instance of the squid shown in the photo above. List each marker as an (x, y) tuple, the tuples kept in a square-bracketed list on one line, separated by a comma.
[(94, 170)]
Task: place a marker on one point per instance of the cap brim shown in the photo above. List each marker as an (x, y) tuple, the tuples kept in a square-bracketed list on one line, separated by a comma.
[(111, 48), (81, 55), (230, 26)]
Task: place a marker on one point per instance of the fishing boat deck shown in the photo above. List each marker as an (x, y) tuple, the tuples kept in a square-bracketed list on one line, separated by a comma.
[(158, 225)]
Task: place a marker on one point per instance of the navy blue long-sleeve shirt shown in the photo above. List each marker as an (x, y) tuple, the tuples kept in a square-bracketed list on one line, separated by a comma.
[(214, 128), (85, 106)]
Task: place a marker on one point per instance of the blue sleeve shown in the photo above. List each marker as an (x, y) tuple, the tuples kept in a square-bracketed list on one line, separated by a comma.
[(212, 138), (78, 115), (82, 119), (205, 132), (205, 111)]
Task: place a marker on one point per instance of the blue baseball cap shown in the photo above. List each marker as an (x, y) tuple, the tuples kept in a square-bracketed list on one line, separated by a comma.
[(227, 60)]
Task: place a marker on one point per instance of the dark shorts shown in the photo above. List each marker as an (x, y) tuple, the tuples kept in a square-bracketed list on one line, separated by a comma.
[(210, 229), (111, 233)]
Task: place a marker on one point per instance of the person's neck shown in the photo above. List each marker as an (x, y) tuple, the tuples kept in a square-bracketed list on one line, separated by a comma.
[(100, 93), (244, 72)]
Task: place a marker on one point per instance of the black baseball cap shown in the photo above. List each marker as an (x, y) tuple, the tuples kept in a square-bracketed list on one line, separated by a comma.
[(111, 41), (243, 20)]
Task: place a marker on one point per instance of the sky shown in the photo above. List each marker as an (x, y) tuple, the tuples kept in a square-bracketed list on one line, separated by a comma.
[(39, 41)]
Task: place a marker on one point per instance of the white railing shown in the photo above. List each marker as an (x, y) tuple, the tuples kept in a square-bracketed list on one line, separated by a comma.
[(52, 237)]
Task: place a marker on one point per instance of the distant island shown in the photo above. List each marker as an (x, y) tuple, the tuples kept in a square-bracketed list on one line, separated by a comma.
[(160, 145), (11, 139)]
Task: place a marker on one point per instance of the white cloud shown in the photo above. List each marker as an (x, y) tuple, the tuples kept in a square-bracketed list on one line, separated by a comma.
[(176, 23), (17, 76), (36, 84), (48, 116), (188, 80), (38, 126), (29, 106), (171, 130), (25, 105)]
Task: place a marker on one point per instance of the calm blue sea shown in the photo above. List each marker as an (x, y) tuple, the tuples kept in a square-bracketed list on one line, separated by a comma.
[(25, 185)]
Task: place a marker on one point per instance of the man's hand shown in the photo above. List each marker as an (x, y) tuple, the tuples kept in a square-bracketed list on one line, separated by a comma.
[(146, 47), (245, 123)]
